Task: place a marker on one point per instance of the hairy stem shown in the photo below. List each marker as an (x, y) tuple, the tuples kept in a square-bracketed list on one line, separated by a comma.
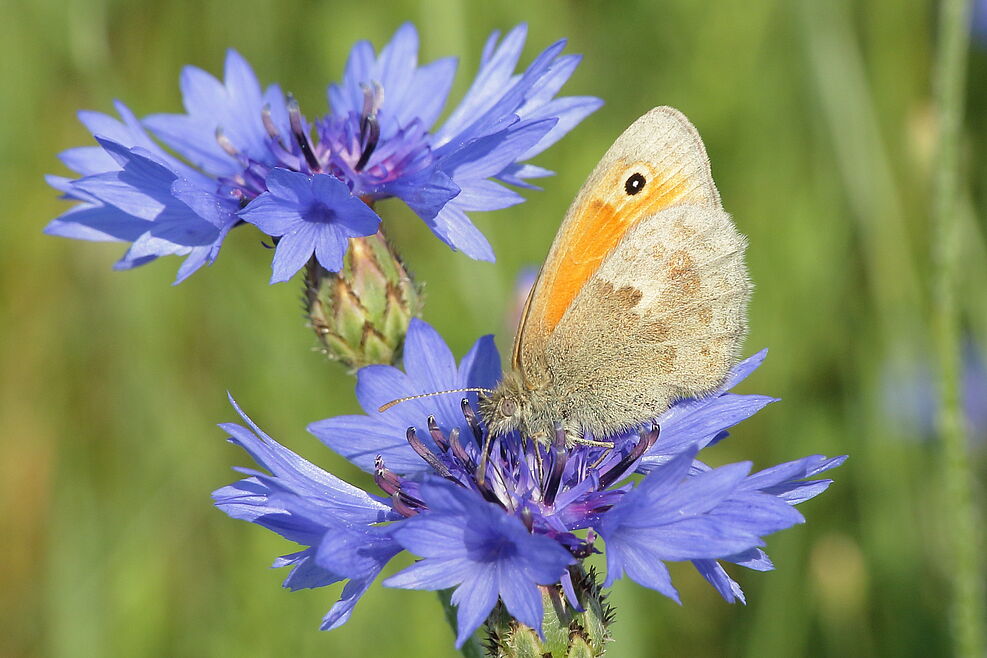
[(967, 607)]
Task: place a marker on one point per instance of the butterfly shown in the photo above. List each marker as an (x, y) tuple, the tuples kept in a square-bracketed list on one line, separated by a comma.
[(642, 299)]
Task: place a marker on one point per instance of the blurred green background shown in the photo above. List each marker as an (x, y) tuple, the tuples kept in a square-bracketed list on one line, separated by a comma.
[(818, 122)]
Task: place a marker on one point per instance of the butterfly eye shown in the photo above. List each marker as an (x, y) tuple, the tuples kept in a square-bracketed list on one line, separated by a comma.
[(635, 183), (507, 407)]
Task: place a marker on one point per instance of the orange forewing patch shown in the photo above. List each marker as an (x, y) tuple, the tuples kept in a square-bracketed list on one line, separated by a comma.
[(595, 231)]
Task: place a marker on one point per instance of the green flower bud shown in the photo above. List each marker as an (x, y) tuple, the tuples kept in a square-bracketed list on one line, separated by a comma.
[(361, 314), (568, 633)]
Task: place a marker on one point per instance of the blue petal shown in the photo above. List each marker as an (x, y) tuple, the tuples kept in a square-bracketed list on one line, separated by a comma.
[(99, 223), (516, 174), (271, 215), (330, 247), (349, 502), (569, 112), (425, 192), (494, 74), (291, 187), (474, 600), (453, 227), (487, 195), (340, 612), (361, 438), (430, 90), (716, 576), (491, 154), (348, 97), (358, 552), (523, 599), (234, 108), (193, 135), (293, 251), (468, 541), (433, 574), (480, 368), (305, 573)]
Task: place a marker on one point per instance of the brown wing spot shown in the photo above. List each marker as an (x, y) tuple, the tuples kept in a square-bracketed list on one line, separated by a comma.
[(683, 232), (655, 332), (680, 264), (626, 297), (682, 272), (615, 305)]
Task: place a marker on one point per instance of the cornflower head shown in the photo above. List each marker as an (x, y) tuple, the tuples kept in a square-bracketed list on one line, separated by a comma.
[(249, 155), (508, 521)]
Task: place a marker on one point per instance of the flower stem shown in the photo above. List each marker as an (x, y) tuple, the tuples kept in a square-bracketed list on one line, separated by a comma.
[(967, 609), (473, 648)]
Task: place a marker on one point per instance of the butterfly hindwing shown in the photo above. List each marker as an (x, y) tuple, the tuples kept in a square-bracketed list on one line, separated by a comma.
[(662, 318)]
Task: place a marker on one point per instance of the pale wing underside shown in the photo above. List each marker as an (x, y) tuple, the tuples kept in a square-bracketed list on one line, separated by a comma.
[(663, 146), (662, 319)]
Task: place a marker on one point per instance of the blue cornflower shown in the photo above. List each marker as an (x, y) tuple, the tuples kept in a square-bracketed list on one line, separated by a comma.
[(501, 523), (302, 211), (241, 143)]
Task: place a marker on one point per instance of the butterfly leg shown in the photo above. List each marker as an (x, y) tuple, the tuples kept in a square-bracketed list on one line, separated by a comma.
[(575, 439)]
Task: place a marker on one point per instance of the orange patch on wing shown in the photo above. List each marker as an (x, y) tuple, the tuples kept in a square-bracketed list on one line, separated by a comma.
[(596, 231)]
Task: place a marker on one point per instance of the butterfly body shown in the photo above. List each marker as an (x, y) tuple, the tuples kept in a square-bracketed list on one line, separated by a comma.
[(642, 299)]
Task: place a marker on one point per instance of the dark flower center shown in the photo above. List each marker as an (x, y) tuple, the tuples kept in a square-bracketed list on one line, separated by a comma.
[(319, 212)]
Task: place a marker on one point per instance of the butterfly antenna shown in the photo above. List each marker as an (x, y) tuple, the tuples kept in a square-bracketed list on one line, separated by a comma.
[(385, 407)]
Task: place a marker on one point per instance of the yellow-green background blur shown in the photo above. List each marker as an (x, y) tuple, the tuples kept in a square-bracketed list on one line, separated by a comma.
[(818, 122)]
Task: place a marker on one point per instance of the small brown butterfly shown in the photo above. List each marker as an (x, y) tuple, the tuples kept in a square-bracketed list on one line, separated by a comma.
[(642, 300)]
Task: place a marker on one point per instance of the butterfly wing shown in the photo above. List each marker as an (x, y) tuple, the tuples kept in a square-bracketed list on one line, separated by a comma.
[(662, 318), (663, 149)]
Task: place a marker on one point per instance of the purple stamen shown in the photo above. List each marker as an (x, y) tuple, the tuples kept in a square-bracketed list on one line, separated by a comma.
[(225, 143), (400, 507), (295, 118), (528, 518), (498, 485), (647, 439), (272, 130), (437, 435), (385, 479), (458, 451), (559, 458), (472, 421), (369, 126), (559, 439), (418, 446)]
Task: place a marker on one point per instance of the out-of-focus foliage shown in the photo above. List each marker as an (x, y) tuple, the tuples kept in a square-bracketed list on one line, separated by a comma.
[(818, 123)]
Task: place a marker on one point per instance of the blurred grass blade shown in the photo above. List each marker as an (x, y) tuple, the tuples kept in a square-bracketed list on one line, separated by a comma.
[(838, 72), (968, 614)]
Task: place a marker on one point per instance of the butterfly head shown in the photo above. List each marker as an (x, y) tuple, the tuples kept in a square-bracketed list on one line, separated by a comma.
[(507, 406)]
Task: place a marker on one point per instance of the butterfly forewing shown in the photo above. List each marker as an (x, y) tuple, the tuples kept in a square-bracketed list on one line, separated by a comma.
[(657, 163)]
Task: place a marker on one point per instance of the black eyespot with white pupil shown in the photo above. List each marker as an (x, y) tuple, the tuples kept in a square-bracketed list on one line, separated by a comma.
[(635, 183)]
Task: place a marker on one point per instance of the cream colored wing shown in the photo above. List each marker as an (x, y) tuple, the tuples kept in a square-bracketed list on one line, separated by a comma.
[(662, 318), (657, 163)]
